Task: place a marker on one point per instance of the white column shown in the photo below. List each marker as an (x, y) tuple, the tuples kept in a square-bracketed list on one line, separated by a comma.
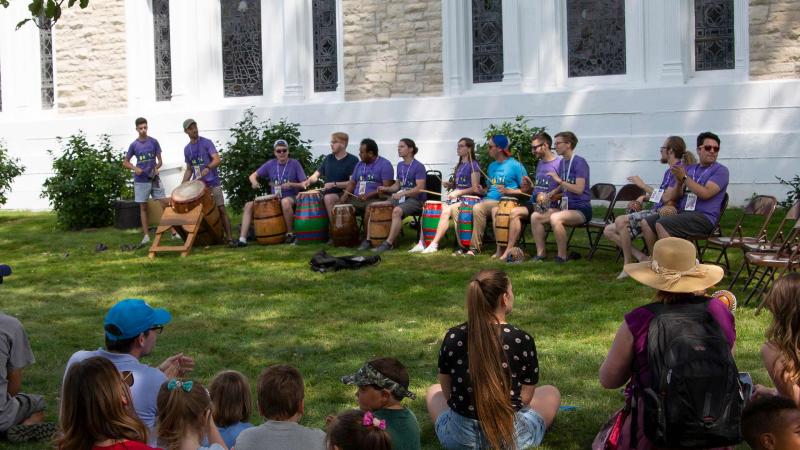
[(141, 58), (552, 64), (456, 46), (741, 18), (530, 36), (675, 27), (512, 74), (184, 35), (293, 91), (20, 62)]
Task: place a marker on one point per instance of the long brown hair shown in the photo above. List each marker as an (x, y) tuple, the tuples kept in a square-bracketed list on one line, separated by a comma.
[(348, 432), (677, 145), (783, 301), (93, 407), (469, 158), (180, 412), (490, 382)]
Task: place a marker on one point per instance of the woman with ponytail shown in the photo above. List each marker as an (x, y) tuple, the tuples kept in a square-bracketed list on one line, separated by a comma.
[(488, 370)]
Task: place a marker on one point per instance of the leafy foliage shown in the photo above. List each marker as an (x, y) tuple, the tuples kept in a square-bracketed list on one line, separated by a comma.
[(519, 134), (45, 13), (88, 178), (250, 145), (10, 168), (794, 191)]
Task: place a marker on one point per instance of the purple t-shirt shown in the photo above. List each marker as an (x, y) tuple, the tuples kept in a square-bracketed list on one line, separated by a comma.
[(145, 152), (199, 156), (409, 174), (291, 172), (702, 175), (463, 175), (374, 174), (543, 182), (667, 182), (571, 170)]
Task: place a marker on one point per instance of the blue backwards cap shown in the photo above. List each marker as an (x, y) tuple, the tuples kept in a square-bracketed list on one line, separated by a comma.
[(131, 317)]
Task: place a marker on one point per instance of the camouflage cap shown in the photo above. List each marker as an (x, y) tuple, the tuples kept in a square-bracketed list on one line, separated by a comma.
[(367, 375)]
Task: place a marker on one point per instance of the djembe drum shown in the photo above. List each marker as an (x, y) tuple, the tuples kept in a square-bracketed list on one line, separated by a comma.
[(310, 218), (379, 222), (344, 231), (268, 220), (502, 219), (431, 213), (190, 195), (464, 222)]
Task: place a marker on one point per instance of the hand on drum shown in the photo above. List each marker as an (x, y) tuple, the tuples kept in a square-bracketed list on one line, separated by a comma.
[(328, 186), (398, 195), (177, 365), (256, 185), (454, 194)]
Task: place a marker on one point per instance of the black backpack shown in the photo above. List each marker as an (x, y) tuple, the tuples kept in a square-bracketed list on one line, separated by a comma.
[(693, 399), (323, 262)]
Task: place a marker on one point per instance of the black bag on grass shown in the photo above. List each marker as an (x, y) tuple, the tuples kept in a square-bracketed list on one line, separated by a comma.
[(694, 399), (323, 262)]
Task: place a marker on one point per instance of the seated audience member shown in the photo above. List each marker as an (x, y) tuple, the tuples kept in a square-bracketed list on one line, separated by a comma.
[(477, 404), (96, 409), (185, 418), (382, 385), (572, 178), (358, 430), (627, 227), (407, 196), (21, 414), (231, 404), (675, 273), (281, 403), (781, 354), (370, 173), (336, 169), (285, 177), (506, 177), (131, 330), (698, 192), (466, 181), (540, 202), (771, 423)]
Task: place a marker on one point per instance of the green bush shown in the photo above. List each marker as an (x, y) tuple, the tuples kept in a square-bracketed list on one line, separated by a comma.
[(519, 133), (794, 191), (250, 145), (88, 179), (10, 168)]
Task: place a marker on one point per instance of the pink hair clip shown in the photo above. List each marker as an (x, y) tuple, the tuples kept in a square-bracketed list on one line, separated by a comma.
[(371, 420)]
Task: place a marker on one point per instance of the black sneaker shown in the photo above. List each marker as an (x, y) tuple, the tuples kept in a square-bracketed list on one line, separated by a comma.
[(290, 238), (34, 432), (574, 256), (538, 258), (560, 260), (364, 245), (383, 247)]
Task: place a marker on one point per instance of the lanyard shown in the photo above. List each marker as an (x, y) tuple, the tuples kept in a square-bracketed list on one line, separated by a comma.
[(460, 172), (707, 170), (408, 169), (196, 151), (281, 174), (565, 176)]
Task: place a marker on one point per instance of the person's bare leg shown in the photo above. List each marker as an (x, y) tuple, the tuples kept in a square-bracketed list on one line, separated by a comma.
[(648, 235), (143, 216), (37, 417), (436, 403), (287, 203), (444, 224), (559, 222), (499, 248), (661, 232), (226, 222), (610, 232), (247, 217), (539, 234), (546, 401), (397, 224), (330, 201)]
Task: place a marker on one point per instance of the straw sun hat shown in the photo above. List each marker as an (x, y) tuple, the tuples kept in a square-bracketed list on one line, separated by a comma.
[(674, 268)]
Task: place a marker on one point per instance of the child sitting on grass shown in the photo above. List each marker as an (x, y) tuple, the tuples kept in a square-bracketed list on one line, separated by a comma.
[(358, 430), (771, 423), (382, 385), (184, 417), (231, 404)]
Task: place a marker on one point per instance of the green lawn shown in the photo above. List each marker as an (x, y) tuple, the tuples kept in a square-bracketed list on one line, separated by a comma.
[(247, 308)]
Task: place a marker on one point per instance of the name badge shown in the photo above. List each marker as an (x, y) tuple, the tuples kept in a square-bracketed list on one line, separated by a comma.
[(276, 189), (655, 197), (564, 203), (196, 172), (402, 199), (691, 202), (362, 187)]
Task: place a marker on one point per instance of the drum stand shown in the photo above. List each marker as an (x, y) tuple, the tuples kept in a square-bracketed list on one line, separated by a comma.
[(189, 225)]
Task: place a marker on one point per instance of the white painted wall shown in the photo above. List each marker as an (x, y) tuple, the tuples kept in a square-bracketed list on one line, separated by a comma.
[(620, 129)]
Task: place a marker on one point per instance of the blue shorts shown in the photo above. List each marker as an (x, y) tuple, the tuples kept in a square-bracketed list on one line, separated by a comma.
[(586, 212), (456, 432)]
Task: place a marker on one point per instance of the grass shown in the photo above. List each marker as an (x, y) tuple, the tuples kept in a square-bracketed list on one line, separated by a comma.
[(247, 308)]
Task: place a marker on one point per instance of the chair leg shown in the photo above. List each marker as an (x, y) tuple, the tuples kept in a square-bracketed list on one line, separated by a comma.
[(738, 272), (757, 285), (569, 239), (750, 278), (724, 252), (594, 244)]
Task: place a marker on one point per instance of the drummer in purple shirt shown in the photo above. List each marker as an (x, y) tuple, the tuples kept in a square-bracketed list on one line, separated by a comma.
[(370, 173), (700, 189), (146, 181), (286, 178), (202, 160)]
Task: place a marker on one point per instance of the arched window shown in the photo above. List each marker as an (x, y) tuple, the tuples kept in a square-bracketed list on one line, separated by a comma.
[(46, 64), (713, 35), (242, 69), (161, 50), (595, 37), (325, 55), (487, 41)]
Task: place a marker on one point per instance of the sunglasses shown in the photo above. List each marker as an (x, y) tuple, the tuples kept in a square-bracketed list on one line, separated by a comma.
[(157, 330), (709, 148), (282, 150)]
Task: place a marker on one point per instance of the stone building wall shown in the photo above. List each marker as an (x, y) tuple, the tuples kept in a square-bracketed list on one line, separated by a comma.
[(90, 58), (392, 49), (774, 39)]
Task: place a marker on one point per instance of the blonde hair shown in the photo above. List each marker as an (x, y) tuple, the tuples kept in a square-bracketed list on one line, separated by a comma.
[(783, 301), (231, 401), (180, 413), (340, 136), (93, 407)]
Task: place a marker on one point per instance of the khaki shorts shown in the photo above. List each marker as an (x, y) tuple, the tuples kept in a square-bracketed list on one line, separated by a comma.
[(219, 198)]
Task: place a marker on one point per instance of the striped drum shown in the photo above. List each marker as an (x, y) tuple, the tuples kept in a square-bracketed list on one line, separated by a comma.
[(431, 212), (464, 220), (310, 218)]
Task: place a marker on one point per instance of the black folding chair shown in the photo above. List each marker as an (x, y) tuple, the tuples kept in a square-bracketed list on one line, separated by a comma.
[(605, 192)]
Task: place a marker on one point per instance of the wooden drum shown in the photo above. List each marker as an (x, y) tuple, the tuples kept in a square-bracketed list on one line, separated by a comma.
[(310, 218), (268, 220), (344, 231), (502, 219), (379, 222), (189, 196)]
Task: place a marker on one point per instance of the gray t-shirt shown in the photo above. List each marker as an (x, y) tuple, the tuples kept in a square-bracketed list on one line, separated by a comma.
[(15, 353), (274, 435)]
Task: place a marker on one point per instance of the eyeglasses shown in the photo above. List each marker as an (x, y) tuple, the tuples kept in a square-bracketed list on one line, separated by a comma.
[(663, 149), (281, 150), (709, 148), (157, 330), (541, 145)]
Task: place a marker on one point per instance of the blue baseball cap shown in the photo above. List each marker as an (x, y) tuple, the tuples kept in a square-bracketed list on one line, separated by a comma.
[(501, 141), (131, 317), (4, 271)]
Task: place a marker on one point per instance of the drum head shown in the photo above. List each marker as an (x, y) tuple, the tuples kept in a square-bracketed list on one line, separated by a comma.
[(344, 207), (264, 198), (471, 197), (508, 199), (188, 191), (433, 202)]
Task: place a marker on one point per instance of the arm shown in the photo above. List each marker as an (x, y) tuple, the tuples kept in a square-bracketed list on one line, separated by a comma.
[(215, 162), (419, 186), (703, 192), (313, 179), (212, 432), (187, 173), (126, 163), (616, 369), (14, 381), (770, 355), (254, 180), (159, 163), (447, 386), (526, 393), (177, 365), (635, 179), (391, 188)]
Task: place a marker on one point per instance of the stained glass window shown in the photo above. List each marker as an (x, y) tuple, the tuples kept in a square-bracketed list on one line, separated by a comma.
[(713, 35), (161, 50), (242, 73), (595, 37), (325, 62), (46, 61), (487, 41)]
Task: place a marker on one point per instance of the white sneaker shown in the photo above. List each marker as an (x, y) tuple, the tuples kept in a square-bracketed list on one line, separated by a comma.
[(622, 275), (146, 239), (433, 248), (419, 248)]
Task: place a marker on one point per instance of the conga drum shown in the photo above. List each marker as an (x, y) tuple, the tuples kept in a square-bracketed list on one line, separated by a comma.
[(431, 213), (310, 218), (187, 197), (464, 219), (344, 231), (379, 223), (268, 220), (502, 219)]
